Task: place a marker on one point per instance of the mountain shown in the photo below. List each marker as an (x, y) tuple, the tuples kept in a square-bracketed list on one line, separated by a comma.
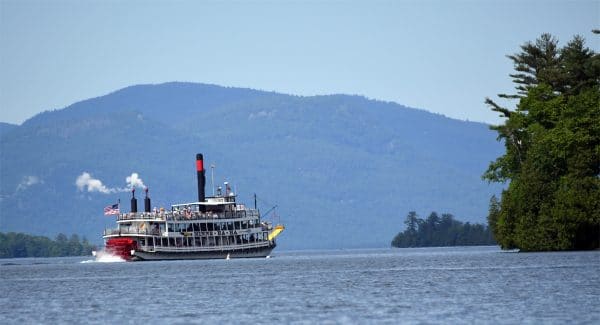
[(343, 170), (6, 127)]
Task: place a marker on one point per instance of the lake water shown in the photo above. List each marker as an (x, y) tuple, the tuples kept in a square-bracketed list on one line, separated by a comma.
[(424, 285)]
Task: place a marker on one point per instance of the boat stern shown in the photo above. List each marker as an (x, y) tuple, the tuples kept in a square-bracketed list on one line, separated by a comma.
[(124, 247)]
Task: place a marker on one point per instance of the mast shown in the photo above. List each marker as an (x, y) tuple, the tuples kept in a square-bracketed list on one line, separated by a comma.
[(212, 178)]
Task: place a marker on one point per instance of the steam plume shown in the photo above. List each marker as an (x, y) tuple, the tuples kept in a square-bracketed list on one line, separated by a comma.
[(86, 181), (134, 181)]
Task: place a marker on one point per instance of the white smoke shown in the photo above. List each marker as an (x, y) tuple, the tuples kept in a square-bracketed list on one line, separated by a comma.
[(85, 181), (134, 181), (28, 181)]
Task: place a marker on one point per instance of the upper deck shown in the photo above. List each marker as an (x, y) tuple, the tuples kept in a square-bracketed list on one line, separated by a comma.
[(185, 214)]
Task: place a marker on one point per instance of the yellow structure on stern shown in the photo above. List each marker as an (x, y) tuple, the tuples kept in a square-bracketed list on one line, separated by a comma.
[(276, 231)]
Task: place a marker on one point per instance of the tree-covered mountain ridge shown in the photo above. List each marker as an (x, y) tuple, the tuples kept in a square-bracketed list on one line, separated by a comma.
[(341, 168)]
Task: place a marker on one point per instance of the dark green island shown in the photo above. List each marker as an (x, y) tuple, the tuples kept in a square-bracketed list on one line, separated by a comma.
[(445, 231), (23, 245)]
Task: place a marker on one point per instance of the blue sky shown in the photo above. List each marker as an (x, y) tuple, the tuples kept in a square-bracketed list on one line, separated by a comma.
[(442, 56)]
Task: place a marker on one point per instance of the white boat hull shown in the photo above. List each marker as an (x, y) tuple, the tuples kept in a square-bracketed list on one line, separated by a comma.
[(242, 253)]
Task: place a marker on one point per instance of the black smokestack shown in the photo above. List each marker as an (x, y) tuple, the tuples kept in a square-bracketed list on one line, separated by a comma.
[(133, 201), (201, 179), (147, 202)]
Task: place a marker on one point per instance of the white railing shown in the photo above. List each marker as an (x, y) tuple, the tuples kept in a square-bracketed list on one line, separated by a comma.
[(182, 215), (130, 231)]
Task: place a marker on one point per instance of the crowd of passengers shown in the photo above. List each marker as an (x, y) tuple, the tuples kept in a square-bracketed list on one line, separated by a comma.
[(157, 229), (184, 214)]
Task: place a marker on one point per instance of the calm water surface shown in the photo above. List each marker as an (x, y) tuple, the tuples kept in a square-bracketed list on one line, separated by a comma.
[(428, 285)]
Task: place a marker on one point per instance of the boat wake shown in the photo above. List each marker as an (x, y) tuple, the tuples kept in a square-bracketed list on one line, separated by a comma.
[(104, 257)]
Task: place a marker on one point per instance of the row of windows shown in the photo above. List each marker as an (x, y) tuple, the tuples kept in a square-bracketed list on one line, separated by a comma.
[(212, 226), (205, 241), (196, 226)]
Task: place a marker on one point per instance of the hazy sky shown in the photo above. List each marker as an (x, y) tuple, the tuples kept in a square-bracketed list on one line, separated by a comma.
[(443, 56)]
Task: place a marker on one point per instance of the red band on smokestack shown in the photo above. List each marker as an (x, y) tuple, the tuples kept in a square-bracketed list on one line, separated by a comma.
[(199, 165)]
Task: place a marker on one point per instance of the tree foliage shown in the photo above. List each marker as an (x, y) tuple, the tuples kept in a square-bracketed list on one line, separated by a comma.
[(22, 245), (444, 231), (552, 158)]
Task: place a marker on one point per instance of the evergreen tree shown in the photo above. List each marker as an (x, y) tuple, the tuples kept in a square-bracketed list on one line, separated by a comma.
[(23, 245), (74, 246), (552, 157), (445, 231)]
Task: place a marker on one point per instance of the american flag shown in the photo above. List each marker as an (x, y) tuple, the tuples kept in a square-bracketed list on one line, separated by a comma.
[(112, 209)]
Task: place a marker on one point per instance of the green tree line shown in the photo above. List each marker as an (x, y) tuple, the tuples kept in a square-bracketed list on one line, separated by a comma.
[(552, 159), (23, 245), (438, 231)]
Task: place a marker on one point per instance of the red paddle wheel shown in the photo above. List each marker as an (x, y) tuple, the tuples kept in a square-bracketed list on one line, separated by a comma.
[(121, 246)]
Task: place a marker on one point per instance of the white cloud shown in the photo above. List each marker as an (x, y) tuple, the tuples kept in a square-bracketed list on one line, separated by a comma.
[(262, 114), (85, 181), (27, 181)]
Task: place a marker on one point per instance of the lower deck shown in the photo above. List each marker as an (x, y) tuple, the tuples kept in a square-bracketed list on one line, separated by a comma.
[(139, 247)]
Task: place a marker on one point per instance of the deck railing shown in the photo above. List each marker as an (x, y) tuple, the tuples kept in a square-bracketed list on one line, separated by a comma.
[(131, 231), (182, 215), (155, 232)]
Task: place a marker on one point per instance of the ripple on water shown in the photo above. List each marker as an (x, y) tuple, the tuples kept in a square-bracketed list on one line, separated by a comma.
[(363, 286)]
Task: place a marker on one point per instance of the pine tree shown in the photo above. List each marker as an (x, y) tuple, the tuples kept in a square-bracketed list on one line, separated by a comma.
[(552, 157)]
